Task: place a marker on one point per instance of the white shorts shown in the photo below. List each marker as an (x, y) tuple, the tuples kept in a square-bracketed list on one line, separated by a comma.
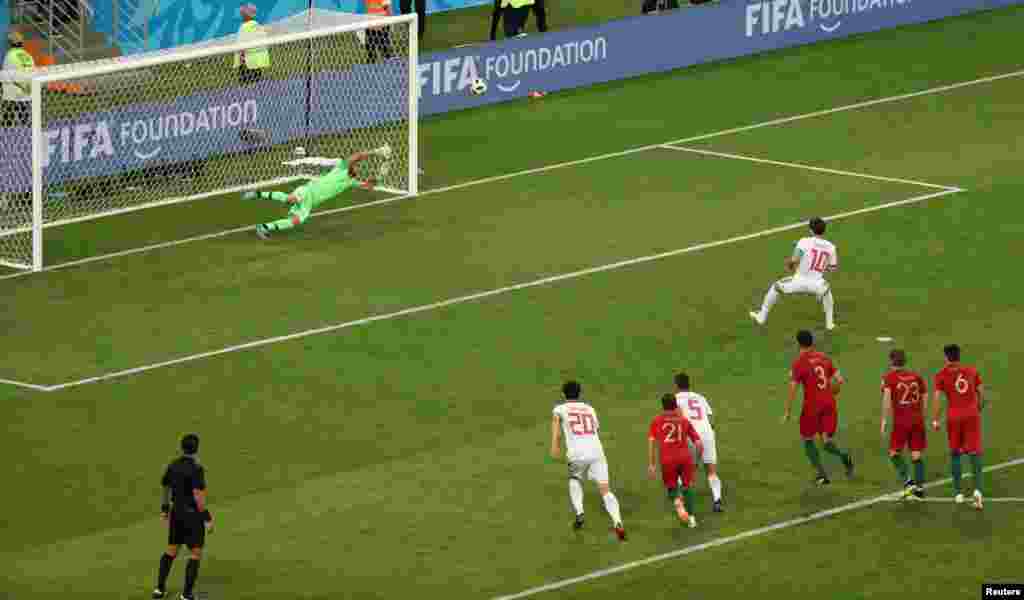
[(594, 469), (710, 456), (802, 285)]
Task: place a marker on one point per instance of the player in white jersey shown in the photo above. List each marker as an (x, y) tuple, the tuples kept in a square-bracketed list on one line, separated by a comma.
[(698, 411), (814, 256), (577, 422)]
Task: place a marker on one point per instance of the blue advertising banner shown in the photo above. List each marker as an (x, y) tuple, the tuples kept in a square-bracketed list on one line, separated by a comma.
[(647, 44), (147, 135)]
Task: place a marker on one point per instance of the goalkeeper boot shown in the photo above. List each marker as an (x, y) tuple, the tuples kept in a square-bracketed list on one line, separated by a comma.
[(263, 231), (822, 480)]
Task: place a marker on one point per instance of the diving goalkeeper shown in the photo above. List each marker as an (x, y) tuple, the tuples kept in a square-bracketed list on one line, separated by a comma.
[(305, 198)]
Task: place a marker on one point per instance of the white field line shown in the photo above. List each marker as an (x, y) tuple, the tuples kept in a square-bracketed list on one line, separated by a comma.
[(22, 384), (855, 106), (489, 293), (806, 167), (950, 500), (564, 583), (551, 167)]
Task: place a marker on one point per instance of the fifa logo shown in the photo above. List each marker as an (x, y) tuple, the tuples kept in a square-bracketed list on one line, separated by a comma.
[(77, 142), (773, 16)]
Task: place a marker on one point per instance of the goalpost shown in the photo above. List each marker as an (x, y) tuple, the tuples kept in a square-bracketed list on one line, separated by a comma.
[(130, 133)]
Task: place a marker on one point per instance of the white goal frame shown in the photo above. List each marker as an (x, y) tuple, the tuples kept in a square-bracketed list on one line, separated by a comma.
[(42, 77)]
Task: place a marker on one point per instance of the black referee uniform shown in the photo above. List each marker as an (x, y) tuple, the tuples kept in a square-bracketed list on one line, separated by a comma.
[(186, 522)]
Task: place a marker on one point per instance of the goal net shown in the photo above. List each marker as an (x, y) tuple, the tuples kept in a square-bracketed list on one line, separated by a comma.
[(106, 137)]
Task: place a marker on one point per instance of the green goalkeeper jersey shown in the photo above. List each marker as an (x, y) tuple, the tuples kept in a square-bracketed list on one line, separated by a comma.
[(327, 186)]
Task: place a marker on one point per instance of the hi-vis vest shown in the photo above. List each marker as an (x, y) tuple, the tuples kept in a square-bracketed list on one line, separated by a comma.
[(516, 3), (18, 59), (255, 58)]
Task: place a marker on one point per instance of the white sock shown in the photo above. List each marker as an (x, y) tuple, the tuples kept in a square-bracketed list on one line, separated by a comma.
[(576, 495), (611, 504), (829, 303), (716, 487), (769, 301)]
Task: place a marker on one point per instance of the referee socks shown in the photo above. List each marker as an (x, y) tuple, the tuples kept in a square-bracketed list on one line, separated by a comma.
[(191, 573), (166, 561)]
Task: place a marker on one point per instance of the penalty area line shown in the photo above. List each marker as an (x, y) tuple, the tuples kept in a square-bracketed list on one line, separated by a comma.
[(951, 500), (544, 281), (23, 384), (564, 583), (806, 167)]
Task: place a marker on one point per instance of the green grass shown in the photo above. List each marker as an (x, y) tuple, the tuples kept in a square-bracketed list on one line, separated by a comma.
[(407, 455)]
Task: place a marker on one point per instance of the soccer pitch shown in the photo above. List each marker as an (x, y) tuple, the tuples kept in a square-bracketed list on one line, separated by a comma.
[(374, 391)]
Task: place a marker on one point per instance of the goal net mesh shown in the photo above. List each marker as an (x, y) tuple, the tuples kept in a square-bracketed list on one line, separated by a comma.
[(209, 120)]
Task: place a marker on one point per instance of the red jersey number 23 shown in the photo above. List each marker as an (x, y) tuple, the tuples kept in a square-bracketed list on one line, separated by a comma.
[(582, 424)]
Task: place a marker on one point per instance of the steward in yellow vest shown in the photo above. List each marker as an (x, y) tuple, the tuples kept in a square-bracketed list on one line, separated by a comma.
[(17, 95), (514, 13), (253, 62)]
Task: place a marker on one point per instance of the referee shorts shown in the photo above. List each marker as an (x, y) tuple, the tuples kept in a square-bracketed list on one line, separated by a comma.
[(186, 530)]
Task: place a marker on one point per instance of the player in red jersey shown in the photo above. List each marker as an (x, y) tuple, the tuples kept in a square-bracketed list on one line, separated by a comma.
[(670, 431), (905, 398), (818, 417), (963, 389)]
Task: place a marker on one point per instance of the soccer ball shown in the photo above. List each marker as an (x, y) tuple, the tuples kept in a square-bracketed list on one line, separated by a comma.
[(478, 87)]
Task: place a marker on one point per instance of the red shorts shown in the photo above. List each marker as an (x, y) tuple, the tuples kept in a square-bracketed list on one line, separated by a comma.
[(965, 434), (671, 472), (821, 420), (910, 435)]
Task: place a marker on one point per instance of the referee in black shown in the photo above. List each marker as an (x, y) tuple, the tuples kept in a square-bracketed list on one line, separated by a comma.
[(183, 509)]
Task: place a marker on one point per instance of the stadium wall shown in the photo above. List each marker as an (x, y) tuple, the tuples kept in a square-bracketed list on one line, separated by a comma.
[(5, 22), (649, 44), (177, 22)]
